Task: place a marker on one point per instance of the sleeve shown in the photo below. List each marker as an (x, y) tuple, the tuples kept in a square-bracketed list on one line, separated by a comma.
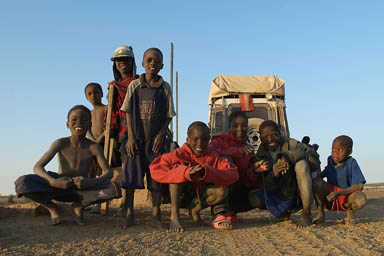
[(127, 104), (219, 145), (356, 174), (167, 169), (221, 173), (170, 107)]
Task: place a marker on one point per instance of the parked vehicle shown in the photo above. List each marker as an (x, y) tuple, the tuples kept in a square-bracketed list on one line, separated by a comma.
[(261, 97)]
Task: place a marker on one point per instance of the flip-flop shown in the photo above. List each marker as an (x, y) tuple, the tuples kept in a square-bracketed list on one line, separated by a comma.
[(54, 221), (231, 216), (221, 219)]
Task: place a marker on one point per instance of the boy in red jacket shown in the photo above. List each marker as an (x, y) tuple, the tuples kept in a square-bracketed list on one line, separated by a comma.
[(197, 178)]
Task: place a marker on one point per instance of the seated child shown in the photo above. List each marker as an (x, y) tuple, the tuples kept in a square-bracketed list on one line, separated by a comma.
[(287, 185), (94, 93), (71, 183), (234, 144), (345, 182), (197, 178)]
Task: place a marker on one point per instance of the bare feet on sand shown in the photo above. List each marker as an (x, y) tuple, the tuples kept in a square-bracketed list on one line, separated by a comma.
[(320, 219), (156, 223), (175, 226), (305, 221), (128, 222)]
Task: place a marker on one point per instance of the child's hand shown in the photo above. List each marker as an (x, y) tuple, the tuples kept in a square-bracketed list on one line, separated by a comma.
[(62, 183), (158, 143), (261, 166), (83, 183), (332, 196), (197, 172), (131, 147), (248, 149), (281, 167)]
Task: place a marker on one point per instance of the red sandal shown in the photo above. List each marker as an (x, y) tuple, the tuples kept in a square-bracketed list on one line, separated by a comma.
[(221, 219)]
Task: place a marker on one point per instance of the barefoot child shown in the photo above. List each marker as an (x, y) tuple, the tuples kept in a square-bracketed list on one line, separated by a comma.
[(94, 93), (345, 182), (149, 110), (288, 179), (197, 178), (71, 183), (234, 144)]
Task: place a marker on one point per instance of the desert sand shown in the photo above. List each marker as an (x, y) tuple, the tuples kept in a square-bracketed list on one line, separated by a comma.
[(258, 233)]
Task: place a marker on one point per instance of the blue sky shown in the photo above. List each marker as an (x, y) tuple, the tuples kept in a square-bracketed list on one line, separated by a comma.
[(330, 54)]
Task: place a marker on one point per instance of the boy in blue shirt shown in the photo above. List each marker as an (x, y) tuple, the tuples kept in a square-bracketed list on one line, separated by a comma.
[(345, 182)]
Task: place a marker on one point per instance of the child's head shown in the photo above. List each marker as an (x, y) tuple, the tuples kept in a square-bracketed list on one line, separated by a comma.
[(305, 140), (79, 120), (341, 148), (198, 137), (238, 125), (123, 62), (152, 61), (270, 135), (93, 93)]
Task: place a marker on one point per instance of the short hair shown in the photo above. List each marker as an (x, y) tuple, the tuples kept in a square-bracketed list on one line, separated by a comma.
[(236, 114), (197, 124), (81, 107), (269, 123), (345, 141), (305, 140), (156, 50), (98, 86)]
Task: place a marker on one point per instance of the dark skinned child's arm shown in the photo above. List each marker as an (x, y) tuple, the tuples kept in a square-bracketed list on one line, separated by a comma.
[(333, 195), (82, 182), (39, 168), (159, 139), (131, 146)]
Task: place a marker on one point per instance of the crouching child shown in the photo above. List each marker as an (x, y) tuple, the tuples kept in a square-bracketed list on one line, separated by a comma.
[(71, 183), (197, 178), (345, 182)]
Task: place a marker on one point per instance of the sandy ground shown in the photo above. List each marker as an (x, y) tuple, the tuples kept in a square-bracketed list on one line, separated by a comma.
[(258, 233)]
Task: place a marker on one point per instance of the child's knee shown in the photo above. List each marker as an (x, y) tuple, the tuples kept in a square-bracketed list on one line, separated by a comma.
[(358, 200), (216, 195)]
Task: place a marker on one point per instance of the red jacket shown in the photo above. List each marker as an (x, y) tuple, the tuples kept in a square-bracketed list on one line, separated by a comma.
[(174, 167), (226, 144)]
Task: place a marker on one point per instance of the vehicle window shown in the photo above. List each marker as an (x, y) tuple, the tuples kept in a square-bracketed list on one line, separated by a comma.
[(258, 112)]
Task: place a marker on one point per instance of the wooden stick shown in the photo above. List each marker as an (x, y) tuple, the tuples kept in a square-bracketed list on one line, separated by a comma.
[(177, 107), (108, 144), (171, 128)]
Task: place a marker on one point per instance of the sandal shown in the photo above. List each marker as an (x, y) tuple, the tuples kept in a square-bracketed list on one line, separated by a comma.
[(231, 216), (219, 221)]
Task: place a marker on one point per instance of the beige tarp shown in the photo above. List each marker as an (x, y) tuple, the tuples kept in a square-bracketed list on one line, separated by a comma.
[(224, 85)]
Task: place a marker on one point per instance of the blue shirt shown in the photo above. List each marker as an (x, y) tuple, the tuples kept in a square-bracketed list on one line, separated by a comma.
[(345, 175)]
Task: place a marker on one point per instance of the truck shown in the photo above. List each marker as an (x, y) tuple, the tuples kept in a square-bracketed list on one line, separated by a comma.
[(261, 97)]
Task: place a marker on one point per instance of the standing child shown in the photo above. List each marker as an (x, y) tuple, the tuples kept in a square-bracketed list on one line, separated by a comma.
[(149, 110), (124, 72), (71, 184), (345, 182), (197, 178), (94, 93)]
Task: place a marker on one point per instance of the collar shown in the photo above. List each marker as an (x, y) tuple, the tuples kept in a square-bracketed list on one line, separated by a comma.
[(144, 82)]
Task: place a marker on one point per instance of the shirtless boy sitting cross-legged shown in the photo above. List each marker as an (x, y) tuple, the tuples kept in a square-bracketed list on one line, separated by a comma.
[(71, 183)]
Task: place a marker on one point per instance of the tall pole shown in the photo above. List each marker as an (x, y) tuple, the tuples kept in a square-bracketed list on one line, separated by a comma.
[(177, 107), (171, 128)]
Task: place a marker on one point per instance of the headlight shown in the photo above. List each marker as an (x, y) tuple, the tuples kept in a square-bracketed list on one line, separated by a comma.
[(268, 96)]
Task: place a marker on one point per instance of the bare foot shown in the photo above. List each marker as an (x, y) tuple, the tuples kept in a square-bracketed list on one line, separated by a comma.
[(305, 221), (156, 223), (39, 210), (79, 212), (320, 219), (286, 217), (350, 221), (129, 221), (175, 226), (54, 221)]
